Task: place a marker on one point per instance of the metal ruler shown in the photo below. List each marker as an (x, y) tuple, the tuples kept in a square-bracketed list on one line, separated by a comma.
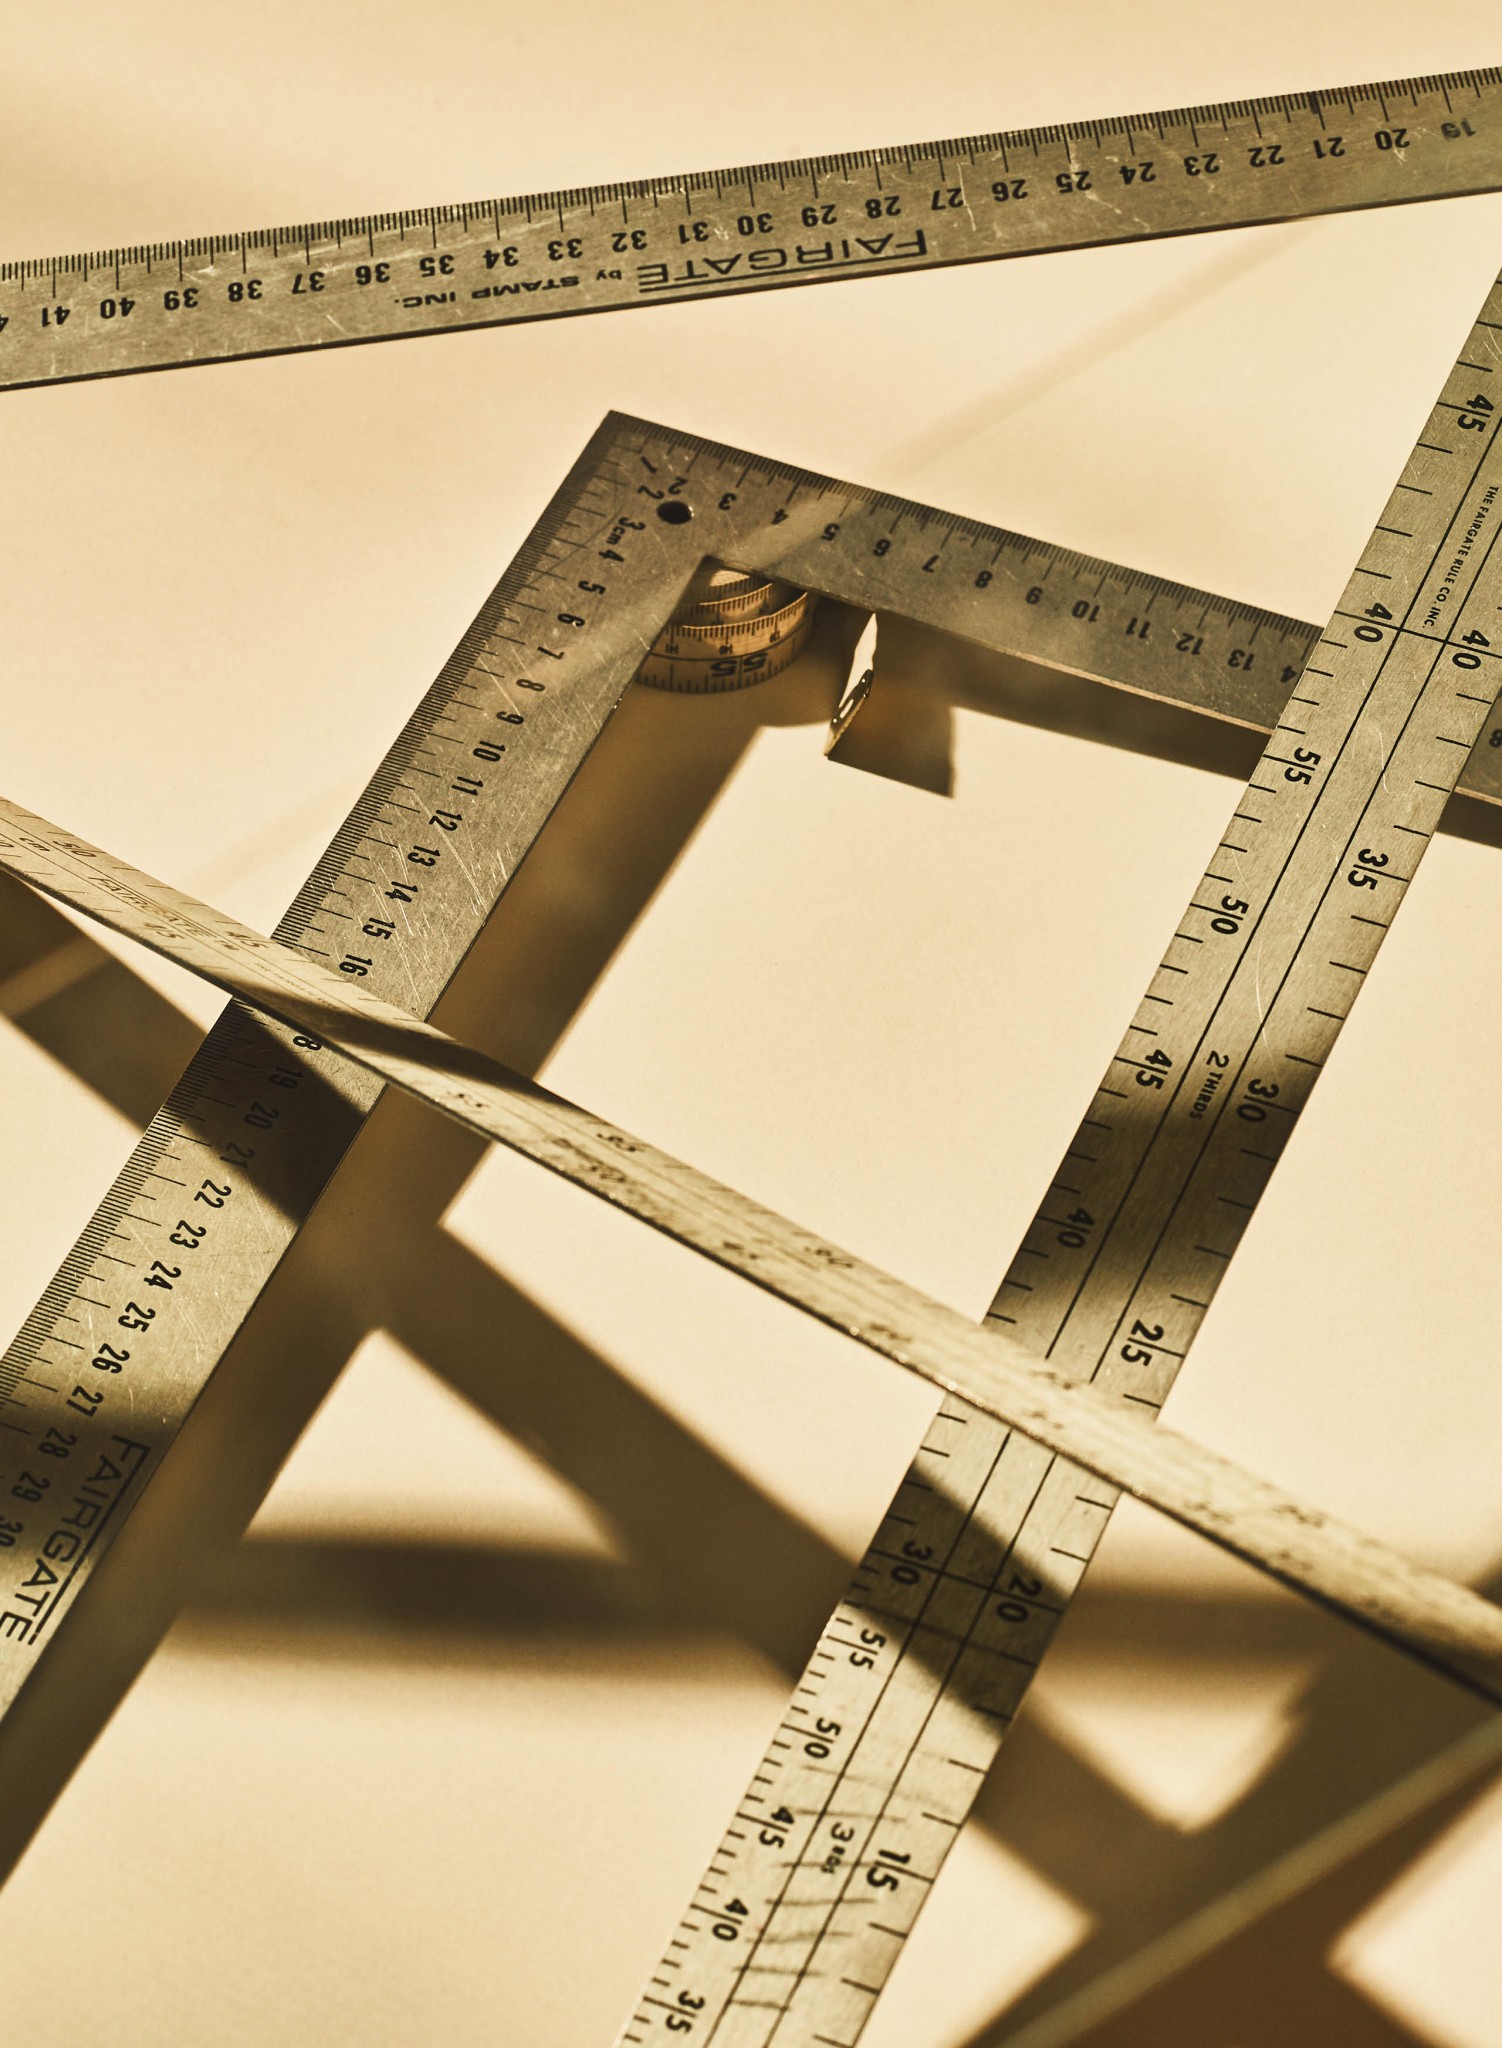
[(836, 1842), (708, 233)]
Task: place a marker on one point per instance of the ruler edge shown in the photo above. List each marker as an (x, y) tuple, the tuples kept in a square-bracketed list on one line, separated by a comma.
[(292, 925), (663, 184)]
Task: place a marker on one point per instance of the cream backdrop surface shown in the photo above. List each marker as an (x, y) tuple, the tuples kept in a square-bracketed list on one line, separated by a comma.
[(437, 1754)]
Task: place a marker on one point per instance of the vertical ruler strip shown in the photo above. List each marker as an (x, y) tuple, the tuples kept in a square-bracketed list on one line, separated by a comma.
[(819, 1878)]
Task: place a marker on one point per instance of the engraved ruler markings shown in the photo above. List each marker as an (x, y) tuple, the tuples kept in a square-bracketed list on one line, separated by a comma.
[(804, 1909), (708, 233)]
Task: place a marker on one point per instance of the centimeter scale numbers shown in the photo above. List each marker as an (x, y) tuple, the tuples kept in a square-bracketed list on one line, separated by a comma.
[(837, 1840), (709, 233)]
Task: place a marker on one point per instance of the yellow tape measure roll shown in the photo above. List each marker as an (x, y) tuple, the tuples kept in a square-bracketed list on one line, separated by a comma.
[(731, 630)]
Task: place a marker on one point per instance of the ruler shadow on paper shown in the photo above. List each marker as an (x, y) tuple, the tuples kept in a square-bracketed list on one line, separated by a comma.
[(905, 729), (377, 1257)]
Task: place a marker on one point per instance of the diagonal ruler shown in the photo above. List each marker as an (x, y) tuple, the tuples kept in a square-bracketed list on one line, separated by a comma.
[(291, 1587)]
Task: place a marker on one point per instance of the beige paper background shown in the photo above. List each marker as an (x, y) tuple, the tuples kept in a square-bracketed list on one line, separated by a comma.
[(436, 1755)]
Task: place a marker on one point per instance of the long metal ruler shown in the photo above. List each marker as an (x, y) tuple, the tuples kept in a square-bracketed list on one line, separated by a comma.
[(837, 1840), (1436, 1620), (707, 233)]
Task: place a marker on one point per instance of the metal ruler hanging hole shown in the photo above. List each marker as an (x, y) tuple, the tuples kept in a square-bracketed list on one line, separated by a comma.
[(733, 628)]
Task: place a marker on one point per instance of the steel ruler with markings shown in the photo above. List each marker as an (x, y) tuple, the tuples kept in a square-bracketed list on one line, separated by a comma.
[(845, 1824), (1372, 725), (1437, 1621), (756, 228)]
